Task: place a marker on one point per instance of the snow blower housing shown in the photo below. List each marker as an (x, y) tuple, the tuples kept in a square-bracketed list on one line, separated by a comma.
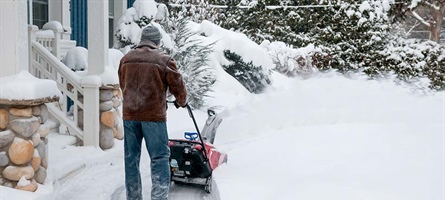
[(193, 159)]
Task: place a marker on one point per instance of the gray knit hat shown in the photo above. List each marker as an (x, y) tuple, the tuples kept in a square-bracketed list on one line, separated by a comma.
[(151, 33)]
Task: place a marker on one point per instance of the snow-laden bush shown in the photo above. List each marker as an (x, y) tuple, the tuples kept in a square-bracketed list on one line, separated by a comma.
[(352, 36), (289, 61), (253, 78), (135, 18), (76, 59), (190, 54), (237, 55), (411, 59), (196, 10)]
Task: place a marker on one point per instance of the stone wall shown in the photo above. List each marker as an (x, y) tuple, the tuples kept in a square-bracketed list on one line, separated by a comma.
[(23, 145), (111, 125)]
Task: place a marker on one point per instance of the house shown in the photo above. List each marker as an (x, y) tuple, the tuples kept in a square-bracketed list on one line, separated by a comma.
[(35, 36), (28, 42)]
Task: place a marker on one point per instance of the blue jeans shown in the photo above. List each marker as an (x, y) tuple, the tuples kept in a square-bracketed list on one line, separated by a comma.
[(156, 140)]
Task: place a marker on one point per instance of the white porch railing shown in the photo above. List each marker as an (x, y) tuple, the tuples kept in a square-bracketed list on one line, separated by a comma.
[(45, 65), (53, 40)]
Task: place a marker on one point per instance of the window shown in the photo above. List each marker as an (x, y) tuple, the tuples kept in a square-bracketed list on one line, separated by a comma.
[(110, 23), (39, 12)]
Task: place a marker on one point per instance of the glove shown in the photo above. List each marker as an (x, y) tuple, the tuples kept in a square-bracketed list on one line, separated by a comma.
[(178, 106)]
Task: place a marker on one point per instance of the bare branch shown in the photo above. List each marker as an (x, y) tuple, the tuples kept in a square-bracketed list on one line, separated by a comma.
[(432, 6), (419, 18), (414, 26)]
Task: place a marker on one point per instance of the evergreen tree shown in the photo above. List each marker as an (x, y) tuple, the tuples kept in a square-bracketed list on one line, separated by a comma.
[(192, 55), (353, 35), (189, 52), (253, 78)]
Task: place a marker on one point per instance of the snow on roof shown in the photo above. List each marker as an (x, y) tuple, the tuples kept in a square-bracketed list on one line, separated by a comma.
[(24, 86)]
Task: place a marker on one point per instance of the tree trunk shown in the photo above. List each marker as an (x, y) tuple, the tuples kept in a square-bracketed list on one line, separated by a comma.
[(435, 23)]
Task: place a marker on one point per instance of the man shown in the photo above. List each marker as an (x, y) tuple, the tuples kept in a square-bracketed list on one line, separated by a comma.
[(145, 74)]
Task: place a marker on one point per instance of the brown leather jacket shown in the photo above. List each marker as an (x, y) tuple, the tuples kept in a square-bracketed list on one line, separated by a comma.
[(144, 75)]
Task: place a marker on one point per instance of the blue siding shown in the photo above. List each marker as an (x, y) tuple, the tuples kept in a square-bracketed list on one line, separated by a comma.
[(79, 22), (130, 3)]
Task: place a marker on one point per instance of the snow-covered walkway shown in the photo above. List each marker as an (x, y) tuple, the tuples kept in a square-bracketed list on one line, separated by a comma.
[(105, 181)]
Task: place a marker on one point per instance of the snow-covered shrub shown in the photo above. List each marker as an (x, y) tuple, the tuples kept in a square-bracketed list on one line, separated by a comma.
[(352, 35), (260, 23), (411, 59), (191, 56), (195, 10), (131, 23), (289, 61), (234, 53), (253, 78), (76, 59)]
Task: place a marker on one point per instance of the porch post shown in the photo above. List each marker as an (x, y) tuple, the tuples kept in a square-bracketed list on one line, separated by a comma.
[(59, 10), (97, 36), (97, 60), (13, 37), (91, 123)]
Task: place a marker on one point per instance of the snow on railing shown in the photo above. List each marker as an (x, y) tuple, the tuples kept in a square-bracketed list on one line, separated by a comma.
[(45, 65), (53, 40), (46, 39)]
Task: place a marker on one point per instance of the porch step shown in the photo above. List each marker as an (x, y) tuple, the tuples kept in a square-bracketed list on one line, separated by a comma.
[(65, 46), (62, 160), (53, 125)]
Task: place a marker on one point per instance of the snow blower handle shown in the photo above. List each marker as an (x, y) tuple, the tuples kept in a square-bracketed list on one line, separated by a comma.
[(197, 130)]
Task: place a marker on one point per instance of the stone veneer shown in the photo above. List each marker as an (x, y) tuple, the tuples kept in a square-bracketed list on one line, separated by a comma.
[(111, 125), (23, 143)]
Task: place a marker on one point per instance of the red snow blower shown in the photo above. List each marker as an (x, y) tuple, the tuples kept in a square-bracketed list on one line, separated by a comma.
[(193, 159)]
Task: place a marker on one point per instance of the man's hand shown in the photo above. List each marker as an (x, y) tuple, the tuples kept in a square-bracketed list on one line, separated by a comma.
[(178, 106)]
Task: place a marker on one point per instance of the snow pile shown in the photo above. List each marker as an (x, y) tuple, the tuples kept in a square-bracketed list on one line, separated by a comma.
[(52, 25), (114, 58), (76, 59), (331, 137), (23, 182), (24, 86)]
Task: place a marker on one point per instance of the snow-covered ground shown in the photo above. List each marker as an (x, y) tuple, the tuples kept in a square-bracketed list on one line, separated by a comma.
[(327, 137)]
